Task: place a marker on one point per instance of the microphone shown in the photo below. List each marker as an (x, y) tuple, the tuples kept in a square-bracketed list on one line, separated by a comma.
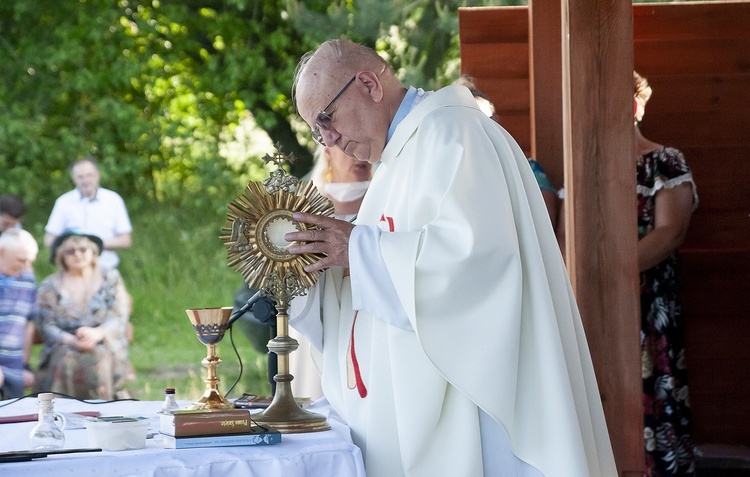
[(245, 308)]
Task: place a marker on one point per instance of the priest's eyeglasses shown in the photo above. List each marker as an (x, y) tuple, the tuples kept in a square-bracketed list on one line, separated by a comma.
[(323, 119)]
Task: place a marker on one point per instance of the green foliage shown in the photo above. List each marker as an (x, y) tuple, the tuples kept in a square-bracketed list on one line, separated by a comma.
[(156, 89), (179, 100)]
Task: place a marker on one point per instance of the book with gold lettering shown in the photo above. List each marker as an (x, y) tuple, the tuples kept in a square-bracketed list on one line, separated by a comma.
[(188, 423)]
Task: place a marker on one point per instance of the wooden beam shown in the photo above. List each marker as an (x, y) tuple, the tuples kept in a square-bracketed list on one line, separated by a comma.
[(545, 76), (600, 212)]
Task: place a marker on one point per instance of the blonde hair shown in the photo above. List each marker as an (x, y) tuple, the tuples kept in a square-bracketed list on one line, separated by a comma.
[(641, 94), (75, 240), (322, 171)]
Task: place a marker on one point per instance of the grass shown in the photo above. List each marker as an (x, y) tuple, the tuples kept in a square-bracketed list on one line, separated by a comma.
[(178, 262)]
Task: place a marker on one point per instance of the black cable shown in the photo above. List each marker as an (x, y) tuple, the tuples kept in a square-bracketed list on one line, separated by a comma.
[(239, 359), (15, 400)]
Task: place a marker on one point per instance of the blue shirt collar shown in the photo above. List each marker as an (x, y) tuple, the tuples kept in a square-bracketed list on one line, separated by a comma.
[(406, 104)]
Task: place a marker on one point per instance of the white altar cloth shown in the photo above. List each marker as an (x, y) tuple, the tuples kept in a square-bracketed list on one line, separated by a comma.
[(328, 453)]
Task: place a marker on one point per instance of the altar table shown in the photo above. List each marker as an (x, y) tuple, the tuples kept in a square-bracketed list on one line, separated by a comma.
[(317, 454)]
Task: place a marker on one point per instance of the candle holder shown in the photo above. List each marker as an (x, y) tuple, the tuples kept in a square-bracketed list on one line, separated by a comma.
[(210, 324), (254, 235)]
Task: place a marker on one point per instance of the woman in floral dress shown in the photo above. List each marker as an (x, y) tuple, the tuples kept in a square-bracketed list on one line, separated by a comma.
[(83, 313), (666, 199)]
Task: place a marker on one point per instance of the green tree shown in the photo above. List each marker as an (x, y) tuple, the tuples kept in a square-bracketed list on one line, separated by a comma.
[(165, 92)]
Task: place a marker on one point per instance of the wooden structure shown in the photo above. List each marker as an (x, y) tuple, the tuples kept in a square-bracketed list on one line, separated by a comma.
[(573, 113)]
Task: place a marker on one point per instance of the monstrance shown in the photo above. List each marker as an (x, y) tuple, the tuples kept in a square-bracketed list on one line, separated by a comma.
[(254, 235)]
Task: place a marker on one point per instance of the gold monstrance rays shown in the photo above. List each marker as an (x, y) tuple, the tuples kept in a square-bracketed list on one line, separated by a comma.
[(252, 250), (254, 236)]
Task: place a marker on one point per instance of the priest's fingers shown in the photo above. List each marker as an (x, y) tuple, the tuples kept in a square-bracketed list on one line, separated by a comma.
[(321, 221), (329, 230), (333, 243), (336, 252)]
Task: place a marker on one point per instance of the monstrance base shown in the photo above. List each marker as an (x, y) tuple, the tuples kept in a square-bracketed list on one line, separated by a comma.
[(285, 415), (211, 399)]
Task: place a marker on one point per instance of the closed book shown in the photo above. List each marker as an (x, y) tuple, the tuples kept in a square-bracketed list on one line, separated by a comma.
[(186, 423), (259, 436)]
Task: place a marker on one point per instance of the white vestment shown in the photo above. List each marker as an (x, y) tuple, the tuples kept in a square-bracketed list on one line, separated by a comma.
[(470, 250)]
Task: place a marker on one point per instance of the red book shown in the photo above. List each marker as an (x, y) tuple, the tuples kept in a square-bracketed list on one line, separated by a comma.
[(185, 423)]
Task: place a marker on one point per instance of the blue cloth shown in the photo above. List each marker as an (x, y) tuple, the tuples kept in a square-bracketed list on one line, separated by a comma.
[(541, 176), (17, 302)]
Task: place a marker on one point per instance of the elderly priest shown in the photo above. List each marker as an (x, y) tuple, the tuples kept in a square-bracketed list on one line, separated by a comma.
[(444, 325)]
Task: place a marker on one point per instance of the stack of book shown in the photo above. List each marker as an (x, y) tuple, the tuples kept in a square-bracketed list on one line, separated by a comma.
[(184, 429)]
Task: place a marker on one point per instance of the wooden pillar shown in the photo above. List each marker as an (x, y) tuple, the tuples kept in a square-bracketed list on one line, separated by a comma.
[(600, 207), (545, 76)]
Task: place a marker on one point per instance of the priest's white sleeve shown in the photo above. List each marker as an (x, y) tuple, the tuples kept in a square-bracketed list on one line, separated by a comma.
[(304, 314), (372, 286)]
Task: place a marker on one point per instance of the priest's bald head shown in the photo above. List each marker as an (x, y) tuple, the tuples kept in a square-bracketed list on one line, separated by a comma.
[(349, 96)]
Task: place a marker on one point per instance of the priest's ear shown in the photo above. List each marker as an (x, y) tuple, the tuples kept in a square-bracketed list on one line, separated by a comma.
[(371, 82)]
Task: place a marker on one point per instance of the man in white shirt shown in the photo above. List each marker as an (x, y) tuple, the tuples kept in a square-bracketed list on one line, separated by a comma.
[(444, 325), (93, 210)]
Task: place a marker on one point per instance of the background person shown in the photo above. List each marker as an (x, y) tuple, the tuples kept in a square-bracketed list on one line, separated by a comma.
[(82, 316), (93, 210), (18, 250), (666, 200), (344, 180), (456, 321), (12, 210)]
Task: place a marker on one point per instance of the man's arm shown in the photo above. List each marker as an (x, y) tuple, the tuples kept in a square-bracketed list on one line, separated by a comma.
[(118, 241), (28, 340), (48, 239)]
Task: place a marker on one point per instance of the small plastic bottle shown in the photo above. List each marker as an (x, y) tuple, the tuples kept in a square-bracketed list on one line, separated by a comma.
[(170, 404), (46, 435)]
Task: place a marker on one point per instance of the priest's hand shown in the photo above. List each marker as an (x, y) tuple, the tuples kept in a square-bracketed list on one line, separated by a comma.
[(331, 238)]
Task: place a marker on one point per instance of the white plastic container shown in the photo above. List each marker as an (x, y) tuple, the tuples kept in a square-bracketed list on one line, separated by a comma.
[(117, 433)]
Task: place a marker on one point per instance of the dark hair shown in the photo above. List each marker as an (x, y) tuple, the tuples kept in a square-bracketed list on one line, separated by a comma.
[(12, 205)]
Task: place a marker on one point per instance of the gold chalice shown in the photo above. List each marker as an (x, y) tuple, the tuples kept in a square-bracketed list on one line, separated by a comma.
[(210, 324)]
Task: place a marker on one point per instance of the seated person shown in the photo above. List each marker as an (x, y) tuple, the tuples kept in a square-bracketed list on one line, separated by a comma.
[(83, 312), (18, 250)]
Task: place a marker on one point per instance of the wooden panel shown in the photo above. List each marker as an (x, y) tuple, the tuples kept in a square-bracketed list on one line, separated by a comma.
[(546, 93), (716, 301), (510, 95), (699, 92), (692, 129), (496, 55), (719, 56), (690, 21), (499, 60), (480, 25)]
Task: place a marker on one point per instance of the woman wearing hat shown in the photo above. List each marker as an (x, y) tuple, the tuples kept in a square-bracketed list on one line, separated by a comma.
[(83, 312)]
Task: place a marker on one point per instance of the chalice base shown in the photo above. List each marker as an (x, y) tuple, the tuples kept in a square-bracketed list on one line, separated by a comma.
[(285, 415)]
